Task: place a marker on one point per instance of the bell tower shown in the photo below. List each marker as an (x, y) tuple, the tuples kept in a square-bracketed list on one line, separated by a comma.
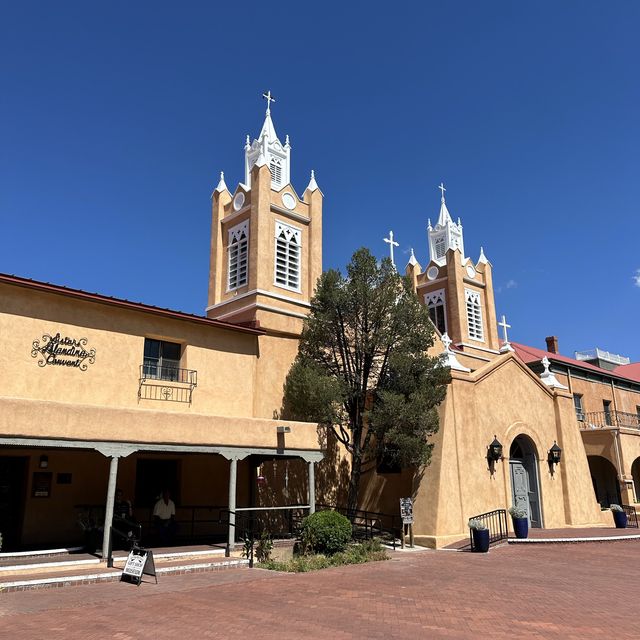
[(457, 291), (266, 240)]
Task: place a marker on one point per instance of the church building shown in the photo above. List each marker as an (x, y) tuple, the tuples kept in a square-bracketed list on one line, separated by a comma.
[(99, 393)]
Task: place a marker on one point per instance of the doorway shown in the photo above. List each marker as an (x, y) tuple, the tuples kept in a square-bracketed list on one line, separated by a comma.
[(13, 481), (525, 488)]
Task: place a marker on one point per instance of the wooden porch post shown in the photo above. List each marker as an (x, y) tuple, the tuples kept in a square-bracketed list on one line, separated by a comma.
[(312, 487), (231, 534), (108, 512)]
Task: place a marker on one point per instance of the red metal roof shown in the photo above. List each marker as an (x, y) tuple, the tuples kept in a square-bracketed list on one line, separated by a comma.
[(531, 354), (629, 371), (122, 303)]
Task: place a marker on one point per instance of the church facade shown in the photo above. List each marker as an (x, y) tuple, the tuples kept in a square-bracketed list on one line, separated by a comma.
[(98, 393)]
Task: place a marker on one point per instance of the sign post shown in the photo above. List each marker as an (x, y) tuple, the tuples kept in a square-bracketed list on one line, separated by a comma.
[(139, 562), (406, 513)]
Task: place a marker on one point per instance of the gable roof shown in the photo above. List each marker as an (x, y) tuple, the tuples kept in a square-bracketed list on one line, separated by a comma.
[(47, 287), (529, 355)]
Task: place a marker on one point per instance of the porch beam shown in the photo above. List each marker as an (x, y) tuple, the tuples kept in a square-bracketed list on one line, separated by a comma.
[(124, 449)]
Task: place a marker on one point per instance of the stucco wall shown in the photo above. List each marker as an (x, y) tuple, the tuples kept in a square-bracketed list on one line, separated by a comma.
[(503, 399)]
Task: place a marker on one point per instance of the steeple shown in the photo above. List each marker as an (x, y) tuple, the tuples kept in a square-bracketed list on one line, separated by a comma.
[(445, 235), (274, 154)]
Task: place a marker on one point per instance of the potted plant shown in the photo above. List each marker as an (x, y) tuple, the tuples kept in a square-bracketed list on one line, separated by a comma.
[(520, 519), (619, 516), (480, 534)]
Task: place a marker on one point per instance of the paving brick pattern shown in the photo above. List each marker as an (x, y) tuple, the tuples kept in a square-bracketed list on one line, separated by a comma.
[(555, 591)]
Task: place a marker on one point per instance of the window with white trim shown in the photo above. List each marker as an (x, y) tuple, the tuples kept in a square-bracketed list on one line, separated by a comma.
[(287, 266), (275, 167), (437, 310), (474, 315), (440, 247), (238, 254)]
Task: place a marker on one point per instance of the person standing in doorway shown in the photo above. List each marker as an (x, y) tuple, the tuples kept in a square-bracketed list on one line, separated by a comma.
[(164, 516)]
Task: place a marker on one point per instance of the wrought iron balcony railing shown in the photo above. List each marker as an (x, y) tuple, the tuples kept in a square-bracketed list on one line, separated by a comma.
[(165, 381), (603, 419)]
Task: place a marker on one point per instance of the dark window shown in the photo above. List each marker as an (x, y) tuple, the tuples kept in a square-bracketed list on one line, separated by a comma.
[(638, 414), (64, 478), (436, 313), (606, 405), (161, 359), (577, 403)]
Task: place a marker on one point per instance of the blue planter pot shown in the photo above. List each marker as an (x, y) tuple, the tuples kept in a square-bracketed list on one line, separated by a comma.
[(480, 540), (620, 518), (520, 527)]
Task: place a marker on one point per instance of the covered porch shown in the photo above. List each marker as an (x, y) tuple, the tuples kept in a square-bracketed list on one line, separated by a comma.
[(57, 490)]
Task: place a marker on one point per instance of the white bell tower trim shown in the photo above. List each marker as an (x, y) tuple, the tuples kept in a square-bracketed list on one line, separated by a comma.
[(445, 235), (275, 155)]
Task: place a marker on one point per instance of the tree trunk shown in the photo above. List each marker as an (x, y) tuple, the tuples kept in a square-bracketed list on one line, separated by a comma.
[(354, 482)]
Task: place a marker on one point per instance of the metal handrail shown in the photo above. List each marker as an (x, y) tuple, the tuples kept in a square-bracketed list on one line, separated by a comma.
[(603, 419), (496, 522), (372, 521), (132, 536), (632, 516)]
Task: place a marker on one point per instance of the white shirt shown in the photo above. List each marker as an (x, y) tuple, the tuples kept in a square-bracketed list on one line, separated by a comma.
[(164, 510)]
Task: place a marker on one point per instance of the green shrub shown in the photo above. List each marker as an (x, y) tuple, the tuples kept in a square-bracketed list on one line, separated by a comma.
[(325, 532)]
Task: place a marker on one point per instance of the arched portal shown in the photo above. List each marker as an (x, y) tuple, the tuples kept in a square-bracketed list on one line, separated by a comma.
[(605, 481), (525, 488), (635, 474)]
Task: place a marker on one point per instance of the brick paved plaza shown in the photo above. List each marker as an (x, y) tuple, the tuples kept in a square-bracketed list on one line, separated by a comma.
[(537, 591)]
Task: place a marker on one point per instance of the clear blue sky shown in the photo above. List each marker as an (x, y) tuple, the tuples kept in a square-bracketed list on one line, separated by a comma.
[(115, 120)]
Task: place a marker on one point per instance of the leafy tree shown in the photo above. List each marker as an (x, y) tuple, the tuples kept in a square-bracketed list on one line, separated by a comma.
[(362, 367)]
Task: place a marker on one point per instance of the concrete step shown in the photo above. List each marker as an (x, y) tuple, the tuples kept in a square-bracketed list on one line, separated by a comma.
[(18, 564)]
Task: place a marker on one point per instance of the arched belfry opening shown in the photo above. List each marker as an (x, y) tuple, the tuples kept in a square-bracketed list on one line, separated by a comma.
[(525, 485)]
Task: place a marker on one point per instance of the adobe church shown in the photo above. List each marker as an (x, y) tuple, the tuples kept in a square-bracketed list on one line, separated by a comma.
[(99, 393)]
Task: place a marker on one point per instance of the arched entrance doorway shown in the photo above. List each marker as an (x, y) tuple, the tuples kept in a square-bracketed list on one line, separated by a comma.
[(635, 474), (525, 488), (605, 481)]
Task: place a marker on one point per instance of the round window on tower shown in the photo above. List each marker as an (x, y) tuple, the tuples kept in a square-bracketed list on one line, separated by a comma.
[(238, 201), (432, 273), (289, 201)]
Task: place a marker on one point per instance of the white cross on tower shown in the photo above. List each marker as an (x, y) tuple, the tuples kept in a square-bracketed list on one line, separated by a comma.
[(269, 98), (446, 341), (442, 189), (391, 244), (505, 345)]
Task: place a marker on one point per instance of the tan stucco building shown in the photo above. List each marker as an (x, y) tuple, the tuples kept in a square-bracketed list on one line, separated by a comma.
[(97, 392)]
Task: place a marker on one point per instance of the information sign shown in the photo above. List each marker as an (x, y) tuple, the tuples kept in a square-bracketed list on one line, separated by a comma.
[(406, 510)]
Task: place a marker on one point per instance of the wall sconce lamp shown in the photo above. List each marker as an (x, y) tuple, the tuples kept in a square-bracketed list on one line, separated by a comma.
[(494, 453), (554, 455), (44, 462)]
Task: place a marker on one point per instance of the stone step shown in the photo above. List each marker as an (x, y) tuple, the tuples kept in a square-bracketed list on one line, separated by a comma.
[(100, 573)]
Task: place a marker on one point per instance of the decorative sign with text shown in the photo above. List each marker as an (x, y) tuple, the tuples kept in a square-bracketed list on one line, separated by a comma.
[(63, 351), (139, 562)]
